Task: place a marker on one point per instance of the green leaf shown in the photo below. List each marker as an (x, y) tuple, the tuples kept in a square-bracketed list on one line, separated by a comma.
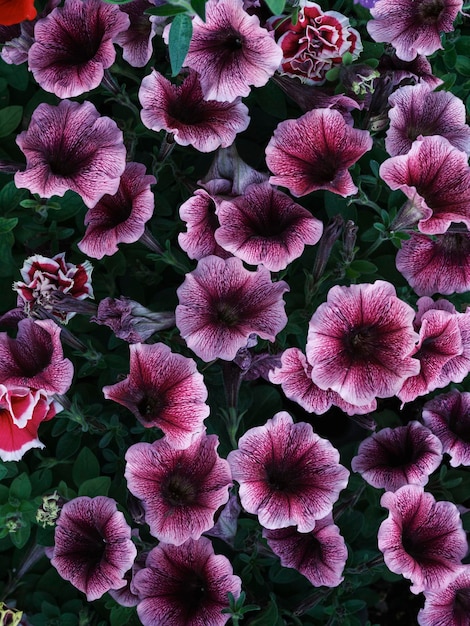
[(181, 31), (199, 7), (7, 224), (10, 117), (165, 11), (276, 6), (16, 75), (85, 467), (20, 537), (118, 1), (364, 267), (21, 487), (95, 487), (269, 617), (120, 615), (10, 197)]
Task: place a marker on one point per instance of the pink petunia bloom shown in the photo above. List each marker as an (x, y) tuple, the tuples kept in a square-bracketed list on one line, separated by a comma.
[(448, 417), (35, 358), (119, 218), (413, 26), (230, 51), (450, 604), (319, 555), (315, 43), (163, 390), (418, 111), (288, 475), (315, 151), (74, 45), (180, 489), (192, 120), (360, 340), (265, 226), (438, 264), (423, 540), (44, 277), (393, 457), (185, 585), (22, 410), (70, 146), (93, 547), (136, 41), (457, 368), (221, 304), (436, 177)]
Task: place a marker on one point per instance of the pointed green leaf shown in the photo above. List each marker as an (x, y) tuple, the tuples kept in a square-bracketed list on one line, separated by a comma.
[(181, 31)]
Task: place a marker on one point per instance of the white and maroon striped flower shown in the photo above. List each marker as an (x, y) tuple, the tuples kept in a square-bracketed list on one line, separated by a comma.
[(449, 605), (136, 41)]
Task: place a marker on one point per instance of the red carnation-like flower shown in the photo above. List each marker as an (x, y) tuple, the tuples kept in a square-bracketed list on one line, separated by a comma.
[(15, 11)]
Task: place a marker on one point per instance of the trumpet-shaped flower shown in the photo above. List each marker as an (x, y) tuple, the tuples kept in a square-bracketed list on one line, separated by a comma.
[(450, 604)]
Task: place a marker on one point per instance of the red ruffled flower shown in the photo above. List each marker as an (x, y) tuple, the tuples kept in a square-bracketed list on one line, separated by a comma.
[(16, 11)]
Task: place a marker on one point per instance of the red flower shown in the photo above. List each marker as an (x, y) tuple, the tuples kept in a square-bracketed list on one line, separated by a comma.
[(15, 11)]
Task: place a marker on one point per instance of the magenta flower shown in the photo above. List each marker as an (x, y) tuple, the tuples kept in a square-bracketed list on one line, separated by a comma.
[(70, 146), (74, 45), (119, 218), (265, 226), (93, 547), (180, 489), (457, 368), (438, 264), (413, 26), (319, 555), (436, 177), (22, 410), (359, 342), (288, 475), (221, 304), (423, 540), (448, 605), (35, 358), (448, 417), (393, 457), (315, 151), (418, 111), (230, 51), (136, 41), (163, 390), (185, 585), (183, 111)]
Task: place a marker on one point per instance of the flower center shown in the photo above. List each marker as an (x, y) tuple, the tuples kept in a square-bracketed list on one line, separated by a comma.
[(179, 490), (361, 342), (233, 42), (226, 313), (151, 406), (462, 603), (430, 11), (281, 478)]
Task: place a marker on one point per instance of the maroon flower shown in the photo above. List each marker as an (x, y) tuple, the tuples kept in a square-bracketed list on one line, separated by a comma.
[(436, 177), (119, 218), (421, 539), (413, 26), (393, 457), (418, 111), (163, 390), (315, 43), (230, 51), (448, 417), (70, 146), (438, 264), (288, 475), (222, 304), (180, 489), (93, 547), (35, 358), (192, 120), (448, 605), (319, 555), (359, 342), (457, 368), (315, 151), (265, 226), (185, 585), (74, 45), (136, 41)]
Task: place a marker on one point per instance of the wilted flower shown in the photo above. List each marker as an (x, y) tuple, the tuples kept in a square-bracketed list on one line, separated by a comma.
[(49, 511), (10, 617)]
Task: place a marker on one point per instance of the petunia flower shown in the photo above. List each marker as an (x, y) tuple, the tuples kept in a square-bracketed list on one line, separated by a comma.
[(70, 146), (393, 457), (185, 585), (230, 51), (288, 475), (180, 489), (448, 417), (192, 120), (15, 11), (93, 547), (315, 151), (457, 368), (221, 304), (418, 111), (265, 226), (119, 218), (448, 605), (74, 45), (35, 358), (423, 540), (438, 264), (360, 340), (319, 555), (163, 390), (413, 26), (136, 41)]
